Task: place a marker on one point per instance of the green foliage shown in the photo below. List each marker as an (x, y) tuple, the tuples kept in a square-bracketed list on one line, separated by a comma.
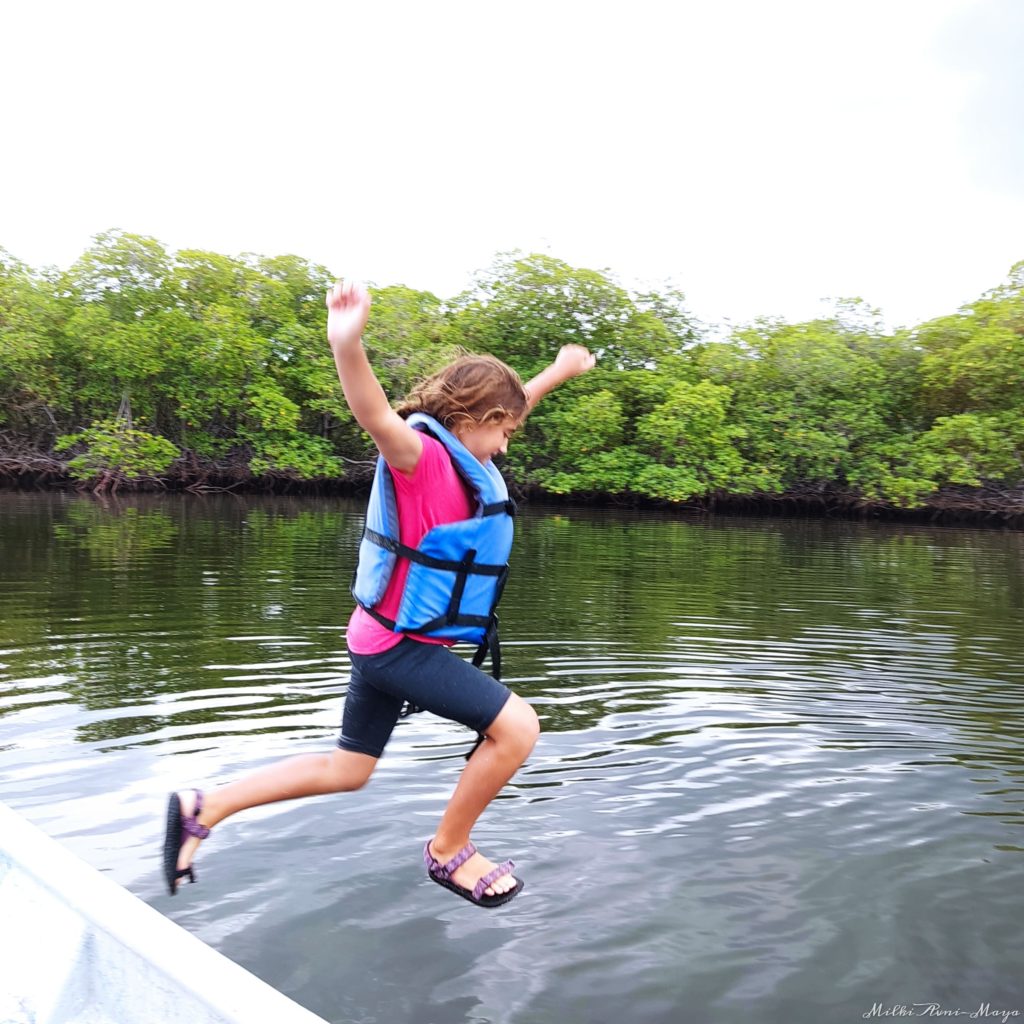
[(690, 444), (224, 357), (299, 455), (126, 274), (974, 360), (525, 308), (585, 442), (114, 449), (272, 429), (968, 449), (30, 385), (822, 404)]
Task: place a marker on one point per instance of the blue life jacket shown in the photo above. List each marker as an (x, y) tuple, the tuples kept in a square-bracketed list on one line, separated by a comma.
[(457, 571)]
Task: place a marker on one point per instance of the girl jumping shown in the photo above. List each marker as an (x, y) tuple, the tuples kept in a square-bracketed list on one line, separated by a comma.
[(431, 569)]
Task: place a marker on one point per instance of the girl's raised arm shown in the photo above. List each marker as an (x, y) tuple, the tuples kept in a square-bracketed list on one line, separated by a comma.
[(348, 308), (571, 361)]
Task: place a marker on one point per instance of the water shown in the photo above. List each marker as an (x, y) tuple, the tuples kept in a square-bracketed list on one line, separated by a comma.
[(781, 775)]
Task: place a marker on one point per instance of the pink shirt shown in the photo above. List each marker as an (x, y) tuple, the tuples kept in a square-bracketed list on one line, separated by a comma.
[(434, 494)]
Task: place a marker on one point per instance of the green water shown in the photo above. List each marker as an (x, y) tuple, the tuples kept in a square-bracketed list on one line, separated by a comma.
[(781, 776)]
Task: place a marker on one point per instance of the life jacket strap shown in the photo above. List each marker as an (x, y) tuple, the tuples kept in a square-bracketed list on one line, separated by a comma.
[(508, 506), (448, 565), (491, 645)]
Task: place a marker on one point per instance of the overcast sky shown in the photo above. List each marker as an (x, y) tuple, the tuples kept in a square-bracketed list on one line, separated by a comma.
[(760, 156)]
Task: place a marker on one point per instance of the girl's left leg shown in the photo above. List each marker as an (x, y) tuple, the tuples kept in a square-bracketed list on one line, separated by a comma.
[(432, 677)]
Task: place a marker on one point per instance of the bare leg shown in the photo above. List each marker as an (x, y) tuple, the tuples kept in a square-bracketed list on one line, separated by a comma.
[(510, 739), (339, 771)]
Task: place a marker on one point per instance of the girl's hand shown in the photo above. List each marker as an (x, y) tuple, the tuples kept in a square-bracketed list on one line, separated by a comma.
[(572, 360), (348, 308)]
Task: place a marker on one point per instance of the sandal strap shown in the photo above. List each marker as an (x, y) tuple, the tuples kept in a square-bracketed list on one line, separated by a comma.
[(439, 870), (492, 876), (190, 825)]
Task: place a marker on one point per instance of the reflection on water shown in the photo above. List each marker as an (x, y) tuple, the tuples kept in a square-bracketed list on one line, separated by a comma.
[(781, 776)]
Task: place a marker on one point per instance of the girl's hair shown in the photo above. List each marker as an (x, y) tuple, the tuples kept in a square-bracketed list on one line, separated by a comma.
[(477, 389)]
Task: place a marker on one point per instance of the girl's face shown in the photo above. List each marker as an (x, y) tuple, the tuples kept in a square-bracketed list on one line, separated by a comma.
[(485, 440)]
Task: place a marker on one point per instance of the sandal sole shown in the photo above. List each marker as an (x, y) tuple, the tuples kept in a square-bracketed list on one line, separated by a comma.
[(484, 901), (172, 842)]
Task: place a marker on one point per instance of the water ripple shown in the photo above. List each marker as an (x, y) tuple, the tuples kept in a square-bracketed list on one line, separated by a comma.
[(780, 778)]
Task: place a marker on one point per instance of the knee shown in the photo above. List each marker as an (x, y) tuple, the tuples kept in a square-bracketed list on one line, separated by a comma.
[(350, 771), (517, 726), (531, 726)]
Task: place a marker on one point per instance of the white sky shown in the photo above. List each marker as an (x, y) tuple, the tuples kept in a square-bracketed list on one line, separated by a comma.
[(758, 154)]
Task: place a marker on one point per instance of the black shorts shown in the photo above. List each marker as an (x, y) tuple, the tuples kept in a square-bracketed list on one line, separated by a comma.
[(429, 676)]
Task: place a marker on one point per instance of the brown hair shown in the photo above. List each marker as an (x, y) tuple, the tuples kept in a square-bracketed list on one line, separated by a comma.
[(477, 389)]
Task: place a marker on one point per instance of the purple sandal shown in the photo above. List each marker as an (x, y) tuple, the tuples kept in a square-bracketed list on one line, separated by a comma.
[(180, 826), (442, 874)]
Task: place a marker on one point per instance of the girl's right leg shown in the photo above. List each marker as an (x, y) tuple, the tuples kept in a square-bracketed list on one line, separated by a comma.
[(339, 771), (368, 720)]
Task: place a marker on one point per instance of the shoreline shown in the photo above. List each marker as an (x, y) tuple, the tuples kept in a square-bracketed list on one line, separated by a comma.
[(999, 507)]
